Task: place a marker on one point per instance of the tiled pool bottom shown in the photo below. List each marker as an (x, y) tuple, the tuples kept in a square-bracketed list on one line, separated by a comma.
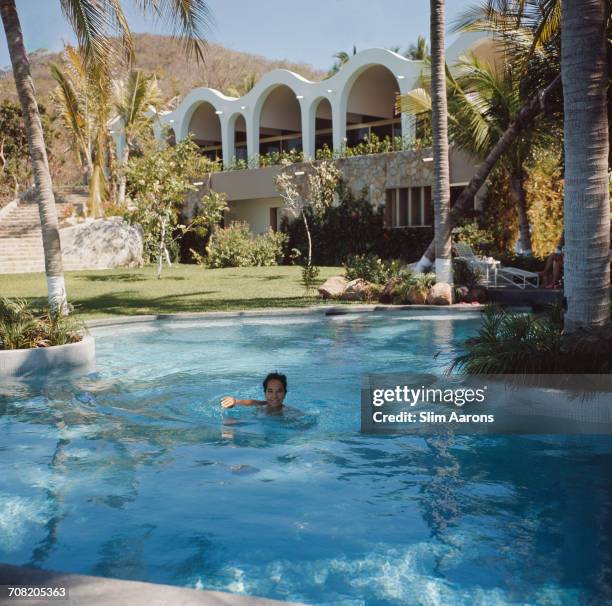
[(135, 472)]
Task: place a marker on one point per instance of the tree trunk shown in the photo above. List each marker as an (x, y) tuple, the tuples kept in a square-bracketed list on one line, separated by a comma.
[(162, 248), (439, 123), (309, 239), (517, 187), (530, 110), (586, 200), (40, 165), (122, 176)]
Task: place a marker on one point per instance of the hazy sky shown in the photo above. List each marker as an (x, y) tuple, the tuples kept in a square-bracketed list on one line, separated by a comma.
[(310, 30)]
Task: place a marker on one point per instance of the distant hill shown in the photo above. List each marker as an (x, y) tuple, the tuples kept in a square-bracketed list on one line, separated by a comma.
[(223, 69)]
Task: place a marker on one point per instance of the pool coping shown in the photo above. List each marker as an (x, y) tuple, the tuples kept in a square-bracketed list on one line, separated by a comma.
[(324, 310), (86, 590)]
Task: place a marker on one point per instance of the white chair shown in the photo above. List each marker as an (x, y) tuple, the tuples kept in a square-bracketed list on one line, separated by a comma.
[(511, 275), (483, 266)]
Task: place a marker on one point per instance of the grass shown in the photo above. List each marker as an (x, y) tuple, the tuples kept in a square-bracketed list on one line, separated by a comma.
[(183, 288)]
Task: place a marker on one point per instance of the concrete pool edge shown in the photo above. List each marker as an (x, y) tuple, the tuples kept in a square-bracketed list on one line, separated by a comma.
[(323, 310), (17, 363), (86, 590)]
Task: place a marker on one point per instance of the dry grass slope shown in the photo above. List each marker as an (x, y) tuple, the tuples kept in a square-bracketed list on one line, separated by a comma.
[(223, 69)]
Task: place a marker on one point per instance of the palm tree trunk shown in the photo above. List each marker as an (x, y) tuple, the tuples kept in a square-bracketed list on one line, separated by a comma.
[(517, 187), (586, 203), (439, 122), (122, 177), (38, 153), (530, 110)]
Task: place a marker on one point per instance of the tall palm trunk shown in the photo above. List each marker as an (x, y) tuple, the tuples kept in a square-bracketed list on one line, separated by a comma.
[(38, 153), (586, 204), (517, 187), (439, 123)]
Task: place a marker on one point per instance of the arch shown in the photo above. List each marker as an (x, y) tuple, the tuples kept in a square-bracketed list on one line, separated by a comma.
[(323, 124), (238, 133), (368, 105), (205, 127), (278, 120)]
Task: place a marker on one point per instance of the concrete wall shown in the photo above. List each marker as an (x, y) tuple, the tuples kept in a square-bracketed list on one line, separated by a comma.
[(255, 212), (251, 193)]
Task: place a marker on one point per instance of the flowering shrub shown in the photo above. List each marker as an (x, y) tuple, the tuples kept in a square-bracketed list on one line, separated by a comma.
[(371, 268)]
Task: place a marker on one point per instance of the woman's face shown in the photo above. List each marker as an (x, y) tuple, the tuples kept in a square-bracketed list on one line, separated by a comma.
[(275, 393)]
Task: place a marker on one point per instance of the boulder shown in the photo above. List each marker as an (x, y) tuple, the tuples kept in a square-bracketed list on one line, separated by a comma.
[(477, 295), (358, 290), (102, 244), (416, 295), (333, 287), (441, 293), (389, 292)]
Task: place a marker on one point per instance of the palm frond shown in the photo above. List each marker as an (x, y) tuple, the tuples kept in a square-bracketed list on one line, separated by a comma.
[(188, 20), (97, 24), (417, 101)]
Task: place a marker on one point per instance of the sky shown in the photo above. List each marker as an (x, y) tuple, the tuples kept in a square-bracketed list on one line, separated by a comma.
[(309, 31)]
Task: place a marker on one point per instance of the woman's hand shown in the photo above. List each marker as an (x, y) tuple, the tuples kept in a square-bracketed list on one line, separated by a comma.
[(228, 402)]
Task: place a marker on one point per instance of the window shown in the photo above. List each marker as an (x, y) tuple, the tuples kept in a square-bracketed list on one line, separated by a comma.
[(274, 219), (408, 207)]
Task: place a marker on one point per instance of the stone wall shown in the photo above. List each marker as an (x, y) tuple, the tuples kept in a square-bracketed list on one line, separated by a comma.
[(376, 173)]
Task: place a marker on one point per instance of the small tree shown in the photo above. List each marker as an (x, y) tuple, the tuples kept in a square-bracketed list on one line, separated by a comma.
[(319, 193), (158, 182)]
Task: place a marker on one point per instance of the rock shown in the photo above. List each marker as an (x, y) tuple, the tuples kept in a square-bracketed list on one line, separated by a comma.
[(333, 287), (477, 295), (416, 295), (102, 244), (462, 293), (389, 293), (358, 290), (441, 293)]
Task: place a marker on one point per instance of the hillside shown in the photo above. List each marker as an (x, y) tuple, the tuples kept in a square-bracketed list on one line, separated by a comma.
[(223, 68)]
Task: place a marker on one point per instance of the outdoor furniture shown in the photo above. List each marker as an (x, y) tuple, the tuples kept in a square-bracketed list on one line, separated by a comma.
[(487, 266), (518, 277)]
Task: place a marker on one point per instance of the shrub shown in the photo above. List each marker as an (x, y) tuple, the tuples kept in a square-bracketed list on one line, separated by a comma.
[(511, 343), (371, 268), (410, 280), (23, 328), (310, 276), (355, 227), (464, 274), (235, 246)]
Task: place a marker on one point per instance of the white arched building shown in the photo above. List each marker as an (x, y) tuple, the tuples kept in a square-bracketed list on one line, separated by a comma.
[(285, 112)]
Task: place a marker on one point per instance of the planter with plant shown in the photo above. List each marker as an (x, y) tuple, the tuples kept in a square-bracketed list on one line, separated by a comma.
[(37, 340)]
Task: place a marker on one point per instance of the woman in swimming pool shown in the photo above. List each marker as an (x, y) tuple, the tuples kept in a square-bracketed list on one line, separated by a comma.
[(275, 390)]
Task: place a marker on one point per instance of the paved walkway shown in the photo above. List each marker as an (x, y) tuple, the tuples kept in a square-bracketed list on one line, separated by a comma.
[(97, 591)]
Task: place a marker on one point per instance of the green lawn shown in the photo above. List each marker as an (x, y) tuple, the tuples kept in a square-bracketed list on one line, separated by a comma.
[(182, 288)]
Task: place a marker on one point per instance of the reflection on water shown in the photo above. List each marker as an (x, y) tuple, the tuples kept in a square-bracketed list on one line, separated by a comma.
[(136, 472)]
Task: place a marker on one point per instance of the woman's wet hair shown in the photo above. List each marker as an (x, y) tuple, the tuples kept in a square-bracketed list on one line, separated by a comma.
[(275, 376)]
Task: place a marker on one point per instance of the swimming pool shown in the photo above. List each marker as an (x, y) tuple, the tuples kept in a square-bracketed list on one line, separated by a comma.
[(135, 472)]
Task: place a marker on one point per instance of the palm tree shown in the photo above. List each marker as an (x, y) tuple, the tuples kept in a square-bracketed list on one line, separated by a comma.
[(418, 51), (439, 123), (96, 25), (133, 97), (482, 102), (83, 97), (587, 203), (341, 58)]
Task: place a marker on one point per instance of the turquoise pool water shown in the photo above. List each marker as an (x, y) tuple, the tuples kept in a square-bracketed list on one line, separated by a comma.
[(135, 472)]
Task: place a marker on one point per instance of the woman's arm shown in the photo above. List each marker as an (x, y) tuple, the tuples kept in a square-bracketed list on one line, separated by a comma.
[(230, 402)]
